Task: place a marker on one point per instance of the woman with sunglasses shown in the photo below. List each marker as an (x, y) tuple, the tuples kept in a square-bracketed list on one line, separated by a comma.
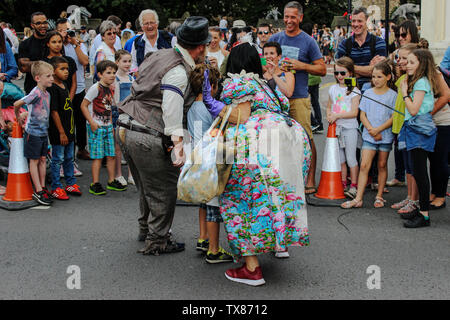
[(106, 50)]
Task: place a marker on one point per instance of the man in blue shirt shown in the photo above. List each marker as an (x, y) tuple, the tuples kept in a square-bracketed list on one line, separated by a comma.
[(129, 44), (365, 49), (304, 58)]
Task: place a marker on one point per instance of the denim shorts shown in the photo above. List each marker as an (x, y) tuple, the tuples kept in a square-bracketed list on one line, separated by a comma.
[(212, 213), (385, 147)]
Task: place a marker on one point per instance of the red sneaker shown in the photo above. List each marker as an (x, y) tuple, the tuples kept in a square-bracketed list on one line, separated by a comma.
[(74, 189), (60, 194), (243, 275)]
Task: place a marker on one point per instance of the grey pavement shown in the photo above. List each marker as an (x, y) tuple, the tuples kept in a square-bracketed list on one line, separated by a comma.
[(98, 234)]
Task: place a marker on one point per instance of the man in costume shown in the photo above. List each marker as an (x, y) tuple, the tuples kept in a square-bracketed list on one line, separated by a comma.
[(151, 131)]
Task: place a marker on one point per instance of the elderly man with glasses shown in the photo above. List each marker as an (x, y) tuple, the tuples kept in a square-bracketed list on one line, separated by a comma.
[(31, 49), (152, 40)]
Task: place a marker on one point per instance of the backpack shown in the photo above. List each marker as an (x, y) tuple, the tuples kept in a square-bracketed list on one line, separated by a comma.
[(349, 45)]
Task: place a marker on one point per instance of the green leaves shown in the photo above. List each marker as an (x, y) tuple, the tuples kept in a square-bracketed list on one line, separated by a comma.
[(316, 11)]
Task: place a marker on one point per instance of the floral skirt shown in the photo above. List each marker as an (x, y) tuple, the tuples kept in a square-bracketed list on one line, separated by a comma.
[(263, 205)]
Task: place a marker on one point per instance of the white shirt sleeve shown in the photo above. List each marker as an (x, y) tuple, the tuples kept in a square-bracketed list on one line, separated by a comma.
[(172, 103), (97, 41), (92, 93), (118, 43)]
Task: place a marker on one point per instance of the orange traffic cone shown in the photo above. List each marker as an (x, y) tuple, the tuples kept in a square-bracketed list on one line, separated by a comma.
[(330, 186), (19, 187)]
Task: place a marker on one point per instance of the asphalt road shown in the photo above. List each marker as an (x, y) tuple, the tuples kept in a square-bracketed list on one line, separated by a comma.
[(98, 236)]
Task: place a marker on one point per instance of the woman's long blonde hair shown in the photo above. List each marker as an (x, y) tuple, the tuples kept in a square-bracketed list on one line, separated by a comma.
[(125, 37), (426, 68)]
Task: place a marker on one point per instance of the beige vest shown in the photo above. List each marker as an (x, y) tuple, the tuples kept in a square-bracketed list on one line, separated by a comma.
[(144, 102)]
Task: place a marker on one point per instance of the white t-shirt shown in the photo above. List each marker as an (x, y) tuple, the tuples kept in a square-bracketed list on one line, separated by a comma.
[(101, 99), (442, 117), (223, 24), (70, 52), (341, 103), (218, 55)]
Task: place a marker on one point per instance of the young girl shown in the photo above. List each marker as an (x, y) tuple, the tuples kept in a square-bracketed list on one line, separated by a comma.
[(409, 204), (342, 108), (377, 135), (54, 48), (419, 131), (122, 89), (209, 214)]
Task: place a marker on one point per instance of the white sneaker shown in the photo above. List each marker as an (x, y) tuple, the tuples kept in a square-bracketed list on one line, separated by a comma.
[(76, 171), (282, 254), (122, 180), (131, 180)]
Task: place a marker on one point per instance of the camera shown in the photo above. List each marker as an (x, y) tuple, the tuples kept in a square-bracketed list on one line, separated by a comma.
[(350, 82), (71, 33)]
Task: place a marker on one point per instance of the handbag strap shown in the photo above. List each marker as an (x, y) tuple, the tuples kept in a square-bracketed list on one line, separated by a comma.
[(286, 117)]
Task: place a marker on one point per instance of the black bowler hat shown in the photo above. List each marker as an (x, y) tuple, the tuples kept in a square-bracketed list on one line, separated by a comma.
[(194, 31)]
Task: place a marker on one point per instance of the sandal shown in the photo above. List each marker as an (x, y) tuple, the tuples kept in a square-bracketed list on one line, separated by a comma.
[(352, 204), (400, 204), (379, 202), (314, 190), (410, 207)]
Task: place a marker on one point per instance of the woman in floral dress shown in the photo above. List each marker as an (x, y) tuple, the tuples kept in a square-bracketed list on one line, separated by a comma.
[(263, 205)]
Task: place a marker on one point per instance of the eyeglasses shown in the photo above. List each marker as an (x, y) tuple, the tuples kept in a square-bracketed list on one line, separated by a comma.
[(110, 33), (38, 23), (342, 73), (263, 32), (150, 23)]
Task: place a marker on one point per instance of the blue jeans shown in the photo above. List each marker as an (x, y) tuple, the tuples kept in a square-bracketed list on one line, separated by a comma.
[(62, 155)]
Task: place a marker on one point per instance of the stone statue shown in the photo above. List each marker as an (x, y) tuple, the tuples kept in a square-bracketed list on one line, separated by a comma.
[(273, 13), (76, 13), (407, 11)]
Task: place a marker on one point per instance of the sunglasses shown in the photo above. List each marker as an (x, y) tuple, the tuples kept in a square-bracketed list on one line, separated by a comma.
[(38, 23), (403, 35), (342, 73), (263, 32)]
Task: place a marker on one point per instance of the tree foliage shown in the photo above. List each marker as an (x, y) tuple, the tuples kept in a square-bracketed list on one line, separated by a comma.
[(317, 11)]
